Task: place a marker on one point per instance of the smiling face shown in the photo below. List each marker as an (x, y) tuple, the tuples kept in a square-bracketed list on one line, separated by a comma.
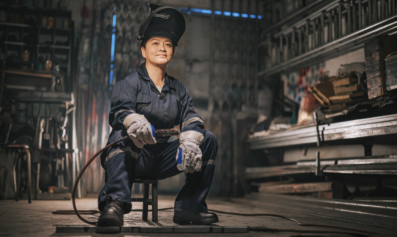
[(158, 51)]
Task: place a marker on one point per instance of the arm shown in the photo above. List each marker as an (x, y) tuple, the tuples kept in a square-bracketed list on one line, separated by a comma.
[(123, 102), (190, 120)]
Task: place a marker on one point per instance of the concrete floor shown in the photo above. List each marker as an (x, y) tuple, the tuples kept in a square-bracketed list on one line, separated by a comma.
[(36, 219)]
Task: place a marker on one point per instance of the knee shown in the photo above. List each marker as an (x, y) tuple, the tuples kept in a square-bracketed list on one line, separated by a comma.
[(210, 140)]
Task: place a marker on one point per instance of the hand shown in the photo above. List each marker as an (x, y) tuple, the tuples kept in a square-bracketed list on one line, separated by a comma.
[(189, 155), (140, 131)]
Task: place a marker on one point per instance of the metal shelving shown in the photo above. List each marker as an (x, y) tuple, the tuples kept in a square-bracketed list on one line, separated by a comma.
[(335, 29), (360, 128)]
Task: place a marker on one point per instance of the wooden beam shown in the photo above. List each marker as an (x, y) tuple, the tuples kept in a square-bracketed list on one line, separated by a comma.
[(297, 188)]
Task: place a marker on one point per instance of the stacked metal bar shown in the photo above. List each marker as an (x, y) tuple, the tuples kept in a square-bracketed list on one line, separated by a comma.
[(376, 51), (391, 71)]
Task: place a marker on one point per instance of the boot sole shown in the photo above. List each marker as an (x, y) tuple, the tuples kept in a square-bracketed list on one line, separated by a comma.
[(109, 221), (183, 221)]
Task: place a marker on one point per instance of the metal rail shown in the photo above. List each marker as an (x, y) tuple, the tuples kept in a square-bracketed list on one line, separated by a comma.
[(373, 165), (360, 128)]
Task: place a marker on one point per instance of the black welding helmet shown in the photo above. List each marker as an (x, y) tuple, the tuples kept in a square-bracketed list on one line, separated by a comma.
[(162, 21)]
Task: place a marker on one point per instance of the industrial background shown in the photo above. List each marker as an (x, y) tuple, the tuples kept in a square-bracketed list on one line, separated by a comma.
[(299, 93)]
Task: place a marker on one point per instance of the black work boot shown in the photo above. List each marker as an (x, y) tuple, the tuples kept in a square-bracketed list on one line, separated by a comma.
[(202, 218), (112, 213)]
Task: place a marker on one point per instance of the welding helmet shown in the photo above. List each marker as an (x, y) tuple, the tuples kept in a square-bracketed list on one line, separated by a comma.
[(162, 21)]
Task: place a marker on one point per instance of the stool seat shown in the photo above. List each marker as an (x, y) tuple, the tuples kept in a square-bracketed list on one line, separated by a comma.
[(146, 201)]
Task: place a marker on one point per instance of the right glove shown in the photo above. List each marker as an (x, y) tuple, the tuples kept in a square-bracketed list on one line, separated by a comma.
[(139, 130), (189, 155)]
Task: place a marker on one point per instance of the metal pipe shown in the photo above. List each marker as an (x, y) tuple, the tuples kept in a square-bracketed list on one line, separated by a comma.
[(307, 37), (354, 15), (360, 14), (322, 36), (348, 20), (287, 51), (382, 10), (281, 50), (329, 36), (369, 18), (299, 41), (340, 19), (375, 11), (334, 26)]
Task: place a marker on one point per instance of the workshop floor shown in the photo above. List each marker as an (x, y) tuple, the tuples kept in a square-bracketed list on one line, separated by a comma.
[(36, 219)]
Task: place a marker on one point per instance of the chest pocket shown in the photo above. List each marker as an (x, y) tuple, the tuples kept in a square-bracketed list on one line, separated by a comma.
[(142, 101)]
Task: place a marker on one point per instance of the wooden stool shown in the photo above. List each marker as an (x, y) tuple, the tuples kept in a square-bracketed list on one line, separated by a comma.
[(146, 201), (18, 164)]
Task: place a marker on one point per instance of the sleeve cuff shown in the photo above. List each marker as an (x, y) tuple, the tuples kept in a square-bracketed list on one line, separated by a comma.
[(192, 135)]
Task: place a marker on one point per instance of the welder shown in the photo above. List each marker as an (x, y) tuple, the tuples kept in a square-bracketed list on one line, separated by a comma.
[(150, 99)]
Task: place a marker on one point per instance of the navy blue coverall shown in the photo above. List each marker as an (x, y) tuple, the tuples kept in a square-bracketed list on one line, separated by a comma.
[(124, 161)]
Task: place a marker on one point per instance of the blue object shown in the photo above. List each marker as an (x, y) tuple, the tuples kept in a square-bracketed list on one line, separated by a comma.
[(156, 162), (179, 156), (153, 133)]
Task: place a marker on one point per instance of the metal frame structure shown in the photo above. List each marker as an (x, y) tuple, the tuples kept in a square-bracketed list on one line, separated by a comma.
[(335, 29)]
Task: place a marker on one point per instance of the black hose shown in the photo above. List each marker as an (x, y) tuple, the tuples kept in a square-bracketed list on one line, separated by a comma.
[(258, 228), (81, 174)]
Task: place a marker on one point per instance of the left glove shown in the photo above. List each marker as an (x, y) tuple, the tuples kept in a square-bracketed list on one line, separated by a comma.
[(189, 155), (139, 130)]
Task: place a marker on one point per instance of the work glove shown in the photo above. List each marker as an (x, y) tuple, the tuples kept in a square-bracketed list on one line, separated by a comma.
[(189, 155), (139, 130)]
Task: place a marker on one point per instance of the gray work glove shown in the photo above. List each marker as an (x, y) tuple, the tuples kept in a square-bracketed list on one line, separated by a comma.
[(189, 155), (139, 130)]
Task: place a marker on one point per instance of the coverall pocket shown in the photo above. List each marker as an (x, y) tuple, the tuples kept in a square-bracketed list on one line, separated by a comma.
[(142, 101)]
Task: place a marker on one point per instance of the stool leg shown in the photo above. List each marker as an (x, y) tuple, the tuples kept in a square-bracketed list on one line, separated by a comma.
[(145, 204), (29, 175), (18, 176), (15, 158), (154, 203)]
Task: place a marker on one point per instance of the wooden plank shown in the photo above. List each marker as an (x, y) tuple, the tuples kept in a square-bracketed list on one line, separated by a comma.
[(345, 97), (325, 90), (314, 93), (350, 100), (297, 188), (344, 81), (344, 89)]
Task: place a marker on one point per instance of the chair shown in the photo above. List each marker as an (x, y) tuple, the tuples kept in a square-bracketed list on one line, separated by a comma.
[(18, 164), (146, 201)]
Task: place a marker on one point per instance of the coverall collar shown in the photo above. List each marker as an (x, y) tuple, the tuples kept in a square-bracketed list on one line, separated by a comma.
[(145, 75)]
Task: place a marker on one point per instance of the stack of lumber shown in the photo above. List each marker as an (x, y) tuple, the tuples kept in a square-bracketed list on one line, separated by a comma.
[(338, 93)]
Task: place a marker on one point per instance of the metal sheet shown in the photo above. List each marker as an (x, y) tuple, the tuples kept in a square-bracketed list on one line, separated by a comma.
[(376, 126)]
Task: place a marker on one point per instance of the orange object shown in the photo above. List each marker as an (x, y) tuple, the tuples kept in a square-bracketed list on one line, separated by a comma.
[(51, 189)]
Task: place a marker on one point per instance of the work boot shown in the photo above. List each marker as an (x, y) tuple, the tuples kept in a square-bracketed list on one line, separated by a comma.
[(112, 214), (202, 218)]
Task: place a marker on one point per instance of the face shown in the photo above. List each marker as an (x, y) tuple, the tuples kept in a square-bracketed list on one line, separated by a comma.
[(158, 51)]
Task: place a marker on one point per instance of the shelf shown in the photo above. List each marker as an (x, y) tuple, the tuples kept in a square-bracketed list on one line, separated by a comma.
[(45, 96), (53, 46), (378, 165), (14, 43), (360, 128), (39, 45), (37, 27), (29, 73), (15, 24), (335, 48)]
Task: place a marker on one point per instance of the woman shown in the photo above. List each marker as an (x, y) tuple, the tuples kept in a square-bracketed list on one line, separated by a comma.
[(150, 98)]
